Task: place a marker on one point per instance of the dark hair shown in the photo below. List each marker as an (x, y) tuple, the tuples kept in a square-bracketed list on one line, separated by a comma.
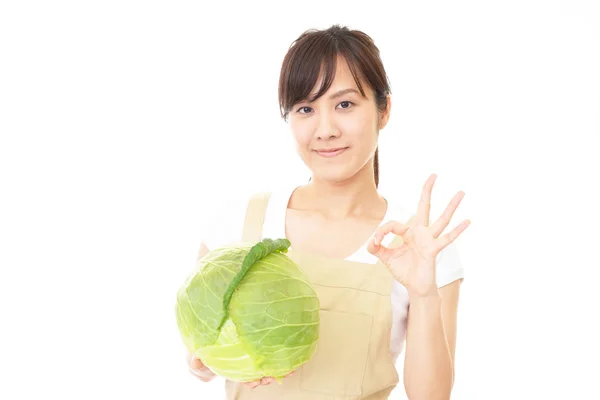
[(317, 50)]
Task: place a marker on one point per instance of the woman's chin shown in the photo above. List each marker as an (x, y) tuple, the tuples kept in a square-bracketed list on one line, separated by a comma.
[(333, 177)]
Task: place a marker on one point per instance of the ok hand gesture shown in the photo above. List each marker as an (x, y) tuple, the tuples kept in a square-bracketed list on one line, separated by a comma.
[(413, 264)]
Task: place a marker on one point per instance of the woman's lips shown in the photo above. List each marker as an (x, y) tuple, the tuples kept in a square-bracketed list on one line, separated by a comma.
[(330, 152)]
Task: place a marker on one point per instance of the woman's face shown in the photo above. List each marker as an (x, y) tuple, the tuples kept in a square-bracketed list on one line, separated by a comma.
[(336, 135)]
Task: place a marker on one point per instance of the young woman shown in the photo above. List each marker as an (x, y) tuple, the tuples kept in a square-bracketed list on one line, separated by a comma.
[(377, 291)]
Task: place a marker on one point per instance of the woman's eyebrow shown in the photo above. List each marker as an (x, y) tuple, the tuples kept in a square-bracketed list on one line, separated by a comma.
[(337, 94), (343, 92)]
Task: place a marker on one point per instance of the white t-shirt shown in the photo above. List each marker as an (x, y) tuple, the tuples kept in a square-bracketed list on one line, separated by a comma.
[(226, 227)]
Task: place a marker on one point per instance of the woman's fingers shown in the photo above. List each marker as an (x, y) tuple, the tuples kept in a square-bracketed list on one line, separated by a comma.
[(451, 236), (374, 245), (395, 227), (198, 369), (442, 222), (424, 207), (267, 380), (195, 363), (253, 384)]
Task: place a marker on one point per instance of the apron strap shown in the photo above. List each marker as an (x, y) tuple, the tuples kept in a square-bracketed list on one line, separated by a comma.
[(255, 216)]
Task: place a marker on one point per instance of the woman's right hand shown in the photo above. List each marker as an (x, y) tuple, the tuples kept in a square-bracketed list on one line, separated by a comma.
[(200, 370)]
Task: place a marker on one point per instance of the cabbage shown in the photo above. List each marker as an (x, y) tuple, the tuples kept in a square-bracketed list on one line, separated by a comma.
[(248, 311)]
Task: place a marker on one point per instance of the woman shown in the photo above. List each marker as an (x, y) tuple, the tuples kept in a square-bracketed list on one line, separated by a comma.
[(334, 93)]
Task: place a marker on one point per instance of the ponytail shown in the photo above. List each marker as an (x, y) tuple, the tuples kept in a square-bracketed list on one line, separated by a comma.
[(376, 167)]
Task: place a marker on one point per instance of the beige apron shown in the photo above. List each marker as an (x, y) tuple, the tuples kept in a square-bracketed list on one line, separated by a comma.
[(353, 359)]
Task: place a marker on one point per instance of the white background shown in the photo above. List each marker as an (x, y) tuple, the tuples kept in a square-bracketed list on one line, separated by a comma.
[(119, 119)]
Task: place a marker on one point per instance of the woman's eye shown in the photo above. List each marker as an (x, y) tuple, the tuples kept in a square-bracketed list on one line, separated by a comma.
[(304, 110), (308, 110)]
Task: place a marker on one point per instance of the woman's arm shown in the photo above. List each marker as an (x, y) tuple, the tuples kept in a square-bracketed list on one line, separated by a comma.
[(430, 344)]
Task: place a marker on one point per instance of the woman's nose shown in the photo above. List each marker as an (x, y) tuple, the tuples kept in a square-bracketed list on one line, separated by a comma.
[(327, 128)]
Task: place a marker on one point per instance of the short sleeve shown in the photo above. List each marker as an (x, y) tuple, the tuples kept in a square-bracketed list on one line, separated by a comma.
[(449, 265), (224, 224)]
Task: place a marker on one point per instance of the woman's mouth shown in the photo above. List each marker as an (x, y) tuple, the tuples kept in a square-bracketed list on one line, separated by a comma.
[(331, 152)]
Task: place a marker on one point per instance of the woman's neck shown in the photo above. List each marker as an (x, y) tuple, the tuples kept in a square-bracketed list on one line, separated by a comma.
[(356, 197)]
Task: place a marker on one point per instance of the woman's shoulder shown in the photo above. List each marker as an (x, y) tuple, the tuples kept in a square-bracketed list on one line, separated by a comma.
[(223, 222)]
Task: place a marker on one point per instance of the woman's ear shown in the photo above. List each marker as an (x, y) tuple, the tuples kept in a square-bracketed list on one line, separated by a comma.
[(384, 116)]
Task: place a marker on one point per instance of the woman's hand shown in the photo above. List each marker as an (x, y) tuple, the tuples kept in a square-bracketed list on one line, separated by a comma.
[(413, 263), (265, 381), (200, 370)]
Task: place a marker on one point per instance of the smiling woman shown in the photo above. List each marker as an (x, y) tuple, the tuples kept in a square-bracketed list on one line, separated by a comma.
[(317, 125), (347, 66), (384, 275)]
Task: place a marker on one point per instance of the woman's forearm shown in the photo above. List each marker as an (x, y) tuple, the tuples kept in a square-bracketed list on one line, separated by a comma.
[(428, 369)]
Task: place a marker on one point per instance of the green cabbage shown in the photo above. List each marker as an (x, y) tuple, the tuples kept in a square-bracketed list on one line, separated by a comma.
[(249, 311)]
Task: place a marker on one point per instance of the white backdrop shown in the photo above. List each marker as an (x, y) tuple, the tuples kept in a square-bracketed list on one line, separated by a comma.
[(124, 123)]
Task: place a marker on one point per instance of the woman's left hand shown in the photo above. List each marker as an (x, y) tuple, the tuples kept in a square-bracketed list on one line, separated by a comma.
[(413, 264)]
